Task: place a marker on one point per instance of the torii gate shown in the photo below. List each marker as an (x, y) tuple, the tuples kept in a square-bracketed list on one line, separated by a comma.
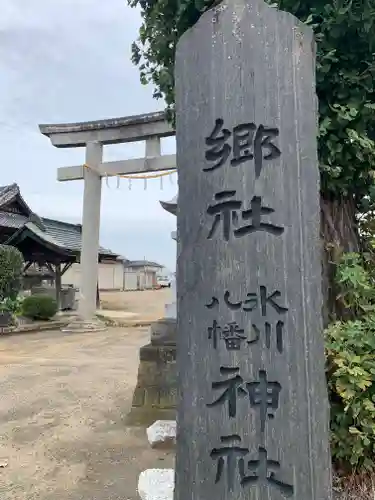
[(149, 127)]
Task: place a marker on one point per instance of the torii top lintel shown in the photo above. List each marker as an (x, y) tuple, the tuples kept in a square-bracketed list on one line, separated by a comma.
[(110, 131)]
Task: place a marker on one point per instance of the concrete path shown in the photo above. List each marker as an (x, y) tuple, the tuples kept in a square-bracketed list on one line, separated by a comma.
[(63, 401)]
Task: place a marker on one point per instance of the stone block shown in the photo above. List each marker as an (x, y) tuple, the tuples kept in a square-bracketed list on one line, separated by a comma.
[(144, 416), (156, 392), (158, 353), (164, 331), (150, 373), (156, 484), (139, 396), (152, 396), (162, 434), (168, 397)]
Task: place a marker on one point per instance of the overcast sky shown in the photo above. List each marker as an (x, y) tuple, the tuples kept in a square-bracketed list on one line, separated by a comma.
[(69, 60)]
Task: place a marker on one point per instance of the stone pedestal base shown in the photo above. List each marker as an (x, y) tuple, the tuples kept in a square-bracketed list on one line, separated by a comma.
[(155, 395), (78, 325), (163, 332)]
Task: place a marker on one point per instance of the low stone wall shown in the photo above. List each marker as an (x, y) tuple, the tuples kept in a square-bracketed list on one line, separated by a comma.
[(34, 327)]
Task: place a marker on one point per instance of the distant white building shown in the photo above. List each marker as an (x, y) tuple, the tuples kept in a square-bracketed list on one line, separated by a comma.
[(119, 275), (140, 274), (110, 275)]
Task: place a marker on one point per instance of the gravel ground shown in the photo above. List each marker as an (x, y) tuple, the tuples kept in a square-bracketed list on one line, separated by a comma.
[(64, 398)]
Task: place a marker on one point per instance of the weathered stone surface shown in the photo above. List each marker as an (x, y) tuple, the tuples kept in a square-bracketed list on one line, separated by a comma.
[(164, 331), (155, 395), (250, 345), (162, 434), (156, 484), (157, 373), (158, 354), (168, 397)]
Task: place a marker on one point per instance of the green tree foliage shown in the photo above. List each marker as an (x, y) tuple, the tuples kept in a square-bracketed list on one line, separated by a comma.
[(350, 347), (355, 285), (345, 34), (11, 269)]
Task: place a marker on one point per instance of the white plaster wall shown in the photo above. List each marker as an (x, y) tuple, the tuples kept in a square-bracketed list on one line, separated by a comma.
[(130, 280), (139, 278), (110, 276), (72, 276), (106, 278), (149, 278), (118, 276)]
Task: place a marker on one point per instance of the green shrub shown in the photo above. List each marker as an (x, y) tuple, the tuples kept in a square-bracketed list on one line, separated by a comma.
[(350, 348), (14, 306), (39, 307), (357, 287), (11, 269), (350, 352)]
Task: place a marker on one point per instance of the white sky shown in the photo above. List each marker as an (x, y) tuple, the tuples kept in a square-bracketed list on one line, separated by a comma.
[(69, 60)]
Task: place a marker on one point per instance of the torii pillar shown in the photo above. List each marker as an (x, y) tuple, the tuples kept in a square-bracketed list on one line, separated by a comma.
[(90, 239)]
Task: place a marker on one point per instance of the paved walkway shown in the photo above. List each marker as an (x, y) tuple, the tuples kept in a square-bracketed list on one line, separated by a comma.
[(63, 401)]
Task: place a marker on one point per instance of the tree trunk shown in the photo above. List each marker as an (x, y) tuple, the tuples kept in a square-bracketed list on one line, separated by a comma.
[(339, 234)]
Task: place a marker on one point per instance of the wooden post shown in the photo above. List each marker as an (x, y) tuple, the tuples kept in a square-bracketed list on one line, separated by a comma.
[(27, 266), (58, 275), (67, 266), (253, 416)]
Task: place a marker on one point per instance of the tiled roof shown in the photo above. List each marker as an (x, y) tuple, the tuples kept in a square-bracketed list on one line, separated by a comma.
[(65, 235), (48, 237), (7, 193), (60, 234), (68, 235), (10, 196), (142, 263), (9, 219)]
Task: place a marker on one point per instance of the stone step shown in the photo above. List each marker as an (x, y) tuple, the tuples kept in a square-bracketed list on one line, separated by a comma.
[(156, 484), (162, 434)]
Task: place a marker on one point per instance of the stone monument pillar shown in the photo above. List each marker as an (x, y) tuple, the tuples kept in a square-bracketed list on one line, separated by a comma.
[(253, 417), (155, 394)]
